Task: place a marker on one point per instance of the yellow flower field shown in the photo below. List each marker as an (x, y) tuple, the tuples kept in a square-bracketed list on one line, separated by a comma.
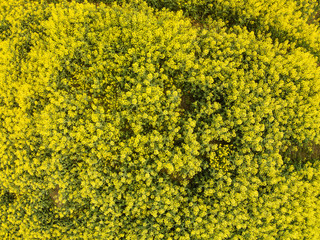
[(143, 119)]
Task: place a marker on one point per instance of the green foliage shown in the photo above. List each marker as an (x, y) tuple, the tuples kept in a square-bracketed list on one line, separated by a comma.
[(119, 121)]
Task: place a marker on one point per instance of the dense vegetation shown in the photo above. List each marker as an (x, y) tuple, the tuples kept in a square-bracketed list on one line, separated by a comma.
[(159, 119)]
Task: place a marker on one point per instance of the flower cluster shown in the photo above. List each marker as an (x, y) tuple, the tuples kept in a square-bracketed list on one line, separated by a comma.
[(122, 122)]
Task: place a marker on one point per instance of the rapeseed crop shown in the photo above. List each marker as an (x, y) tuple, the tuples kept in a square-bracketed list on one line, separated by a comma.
[(125, 120)]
